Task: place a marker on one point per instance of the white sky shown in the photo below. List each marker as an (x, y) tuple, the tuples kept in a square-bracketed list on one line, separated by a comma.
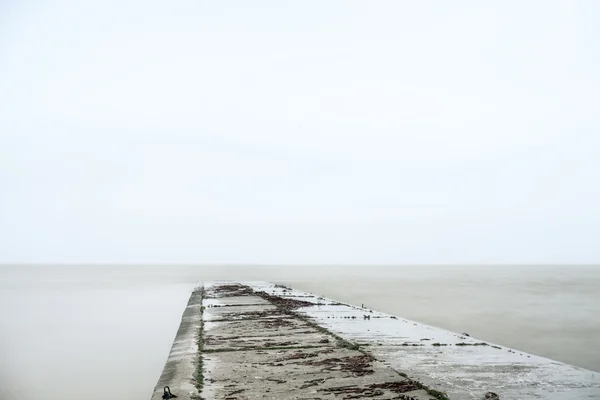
[(300, 131)]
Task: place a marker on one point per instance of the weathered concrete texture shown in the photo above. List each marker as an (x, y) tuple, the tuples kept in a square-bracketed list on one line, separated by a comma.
[(179, 371), (265, 351), (457, 364)]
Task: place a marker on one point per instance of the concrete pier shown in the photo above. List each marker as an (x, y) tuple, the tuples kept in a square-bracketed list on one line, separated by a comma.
[(179, 372), (264, 341)]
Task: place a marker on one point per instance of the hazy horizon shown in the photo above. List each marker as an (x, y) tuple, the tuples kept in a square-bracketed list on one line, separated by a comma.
[(195, 264)]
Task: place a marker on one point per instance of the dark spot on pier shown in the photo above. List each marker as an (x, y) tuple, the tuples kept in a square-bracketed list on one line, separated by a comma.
[(357, 365)]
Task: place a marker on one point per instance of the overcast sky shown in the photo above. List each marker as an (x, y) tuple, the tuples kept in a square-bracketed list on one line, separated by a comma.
[(300, 131)]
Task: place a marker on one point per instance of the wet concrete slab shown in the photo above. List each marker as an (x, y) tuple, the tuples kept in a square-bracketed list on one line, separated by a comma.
[(280, 355), (455, 363), (325, 372), (262, 333)]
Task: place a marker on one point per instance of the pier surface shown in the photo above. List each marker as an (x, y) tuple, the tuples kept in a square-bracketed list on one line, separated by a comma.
[(257, 340)]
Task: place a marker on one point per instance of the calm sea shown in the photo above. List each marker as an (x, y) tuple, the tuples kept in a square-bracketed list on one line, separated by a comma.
[(104, 332)]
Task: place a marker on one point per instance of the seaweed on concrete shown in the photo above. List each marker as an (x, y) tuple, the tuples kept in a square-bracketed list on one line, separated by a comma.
[(200, 341)]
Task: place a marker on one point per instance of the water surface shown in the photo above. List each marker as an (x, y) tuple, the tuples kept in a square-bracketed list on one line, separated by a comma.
[(100, 332)]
